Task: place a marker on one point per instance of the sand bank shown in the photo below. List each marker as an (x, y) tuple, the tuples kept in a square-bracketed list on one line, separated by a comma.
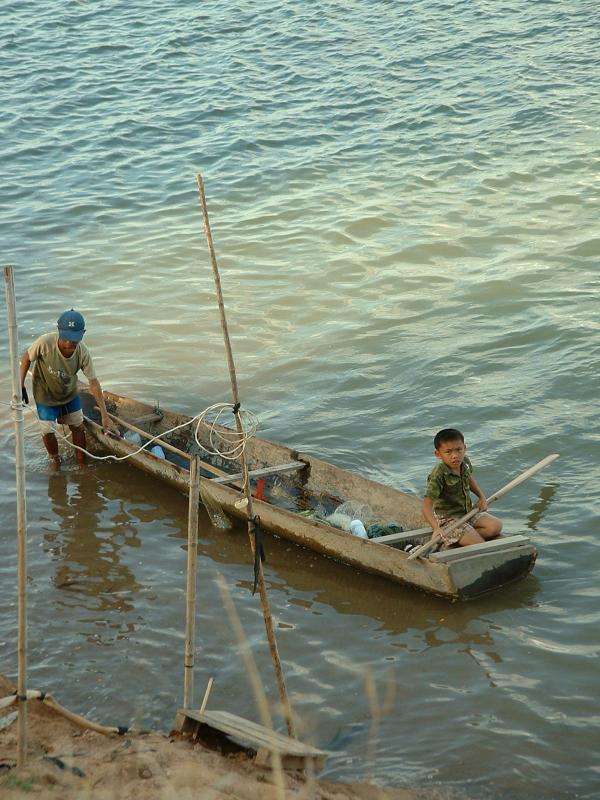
[(68, 762)]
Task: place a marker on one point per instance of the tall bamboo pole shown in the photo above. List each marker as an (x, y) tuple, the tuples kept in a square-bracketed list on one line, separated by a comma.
[(192, 559), (264, 600), (17, 407)]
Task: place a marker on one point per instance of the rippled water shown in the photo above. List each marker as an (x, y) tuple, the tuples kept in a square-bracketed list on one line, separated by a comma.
[(404, 201)]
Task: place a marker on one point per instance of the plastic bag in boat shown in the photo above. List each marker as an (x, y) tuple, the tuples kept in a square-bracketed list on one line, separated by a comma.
[(354, 510)]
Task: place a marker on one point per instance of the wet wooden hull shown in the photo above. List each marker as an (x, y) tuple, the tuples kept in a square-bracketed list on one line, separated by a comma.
[(455, 575)]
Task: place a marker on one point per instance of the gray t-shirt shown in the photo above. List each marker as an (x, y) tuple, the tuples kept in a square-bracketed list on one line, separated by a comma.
[(54, 376)]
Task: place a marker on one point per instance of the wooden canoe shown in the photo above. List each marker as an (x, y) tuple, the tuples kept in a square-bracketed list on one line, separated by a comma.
[(294, 484)]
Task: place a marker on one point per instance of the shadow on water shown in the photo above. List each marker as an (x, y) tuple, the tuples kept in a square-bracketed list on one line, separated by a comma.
[(539, 508)]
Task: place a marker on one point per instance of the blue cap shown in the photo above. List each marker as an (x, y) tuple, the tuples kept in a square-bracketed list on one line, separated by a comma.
[(71, 326)]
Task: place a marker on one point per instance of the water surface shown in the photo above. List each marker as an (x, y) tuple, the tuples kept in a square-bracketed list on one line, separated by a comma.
[(404, 201)]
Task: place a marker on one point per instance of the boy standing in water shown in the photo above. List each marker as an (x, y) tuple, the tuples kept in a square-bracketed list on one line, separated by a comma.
[(448, 494), (57, 358)]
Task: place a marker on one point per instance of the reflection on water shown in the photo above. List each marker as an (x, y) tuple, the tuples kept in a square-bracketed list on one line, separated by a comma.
[(311, 582), (87, 546), (539, 509)]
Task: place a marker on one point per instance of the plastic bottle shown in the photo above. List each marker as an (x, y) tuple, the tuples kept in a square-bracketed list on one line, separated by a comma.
[(358, 529), (157, 451)]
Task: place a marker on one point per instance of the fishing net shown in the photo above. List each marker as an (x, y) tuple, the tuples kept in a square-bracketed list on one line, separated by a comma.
[(214, 509)]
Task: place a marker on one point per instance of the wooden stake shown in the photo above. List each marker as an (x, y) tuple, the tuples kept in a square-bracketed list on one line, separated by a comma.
[(206, 693), (192, 559), (17, 407), (264, 600)]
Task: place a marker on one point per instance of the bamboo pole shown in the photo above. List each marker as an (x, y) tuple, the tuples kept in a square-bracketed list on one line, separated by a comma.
[(264, 600), (17, 407), (77, 719), (48, 699), (192, 560)]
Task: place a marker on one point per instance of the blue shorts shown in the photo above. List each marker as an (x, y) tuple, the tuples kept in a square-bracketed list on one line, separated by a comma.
[(68, 414), (52, 413)]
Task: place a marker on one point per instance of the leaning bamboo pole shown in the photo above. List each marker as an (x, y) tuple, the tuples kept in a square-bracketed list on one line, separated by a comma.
[(264, 600), (17, 407), (192, 560), (77, 719)]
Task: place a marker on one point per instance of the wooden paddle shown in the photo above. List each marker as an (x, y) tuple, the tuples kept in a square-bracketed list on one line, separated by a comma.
[(425, 548)]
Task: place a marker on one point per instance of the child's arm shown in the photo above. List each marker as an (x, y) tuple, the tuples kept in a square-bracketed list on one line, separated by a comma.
[(430, 516), (482, 503)]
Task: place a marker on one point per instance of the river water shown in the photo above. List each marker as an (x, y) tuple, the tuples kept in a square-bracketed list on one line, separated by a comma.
[(404, 202)]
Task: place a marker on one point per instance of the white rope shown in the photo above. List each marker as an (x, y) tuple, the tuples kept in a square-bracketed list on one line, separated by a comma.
[(228, 443)]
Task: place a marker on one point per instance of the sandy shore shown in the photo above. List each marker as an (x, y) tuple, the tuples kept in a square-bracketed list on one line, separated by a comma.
[(68, 762)]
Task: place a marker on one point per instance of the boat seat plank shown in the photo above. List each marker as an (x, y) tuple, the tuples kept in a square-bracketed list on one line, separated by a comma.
[(145, 418), (393, 538), (496, 545), (278, 469)]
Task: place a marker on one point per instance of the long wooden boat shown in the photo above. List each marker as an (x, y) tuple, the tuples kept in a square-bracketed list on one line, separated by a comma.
[(294, 485)]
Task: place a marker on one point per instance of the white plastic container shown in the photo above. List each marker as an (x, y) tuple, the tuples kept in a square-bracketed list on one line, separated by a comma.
[(133, 438), (358, 529)]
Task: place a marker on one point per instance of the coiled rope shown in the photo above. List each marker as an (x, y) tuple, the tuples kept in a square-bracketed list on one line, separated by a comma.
[(226, 443)]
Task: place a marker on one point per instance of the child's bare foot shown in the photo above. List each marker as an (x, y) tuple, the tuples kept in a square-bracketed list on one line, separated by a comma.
[(55, 463)]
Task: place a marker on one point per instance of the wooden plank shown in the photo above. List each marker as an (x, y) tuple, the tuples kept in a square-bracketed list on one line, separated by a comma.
[(278, 469), (255, 735), (392, 538), (289, 762), (145, 418), (496, 545)]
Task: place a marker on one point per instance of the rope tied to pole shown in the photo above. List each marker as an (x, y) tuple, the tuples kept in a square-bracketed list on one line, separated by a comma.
[(259, 551)]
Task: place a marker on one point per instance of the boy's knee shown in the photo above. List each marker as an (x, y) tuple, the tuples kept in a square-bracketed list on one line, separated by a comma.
[(492, 529), (494, 525)]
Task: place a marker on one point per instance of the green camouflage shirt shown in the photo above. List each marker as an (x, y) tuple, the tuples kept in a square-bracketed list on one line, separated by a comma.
[(450, 492)]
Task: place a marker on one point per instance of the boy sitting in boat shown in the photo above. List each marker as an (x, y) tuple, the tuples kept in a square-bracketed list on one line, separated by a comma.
[(448, 495)]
